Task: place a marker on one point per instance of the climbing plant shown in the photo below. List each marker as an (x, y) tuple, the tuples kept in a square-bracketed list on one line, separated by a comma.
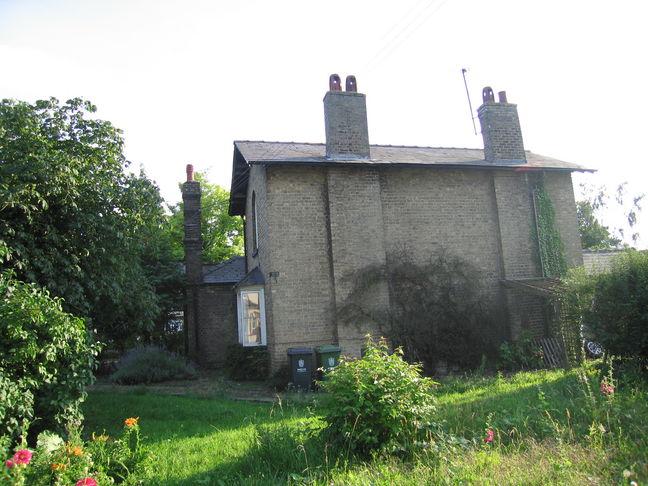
[(550, 245)]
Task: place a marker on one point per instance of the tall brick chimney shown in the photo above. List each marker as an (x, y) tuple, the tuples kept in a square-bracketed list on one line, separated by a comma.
[(345, 118), (192, 238), (193, 259), (501, 129)]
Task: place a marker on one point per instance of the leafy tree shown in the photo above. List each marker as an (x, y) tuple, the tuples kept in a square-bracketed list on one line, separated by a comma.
[(222, 234), (593, 234), (73, 221)]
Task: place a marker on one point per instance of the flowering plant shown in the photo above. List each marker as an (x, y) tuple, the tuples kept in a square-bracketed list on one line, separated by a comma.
[(55, 462), (606, 389), (490, 435)]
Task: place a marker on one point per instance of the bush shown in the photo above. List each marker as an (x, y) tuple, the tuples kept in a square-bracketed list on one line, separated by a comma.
[(46, 360), (521, 355), (613, 306), (379, 402), (247, 363), (150, 364)]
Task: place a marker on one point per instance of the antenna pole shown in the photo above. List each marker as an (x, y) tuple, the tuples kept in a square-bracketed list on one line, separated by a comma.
[(472, 117)]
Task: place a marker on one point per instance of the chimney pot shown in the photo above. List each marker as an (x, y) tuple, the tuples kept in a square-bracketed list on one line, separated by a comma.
[(190, 173), (487, 95), (351, 84), (335, 83), (502, 97)]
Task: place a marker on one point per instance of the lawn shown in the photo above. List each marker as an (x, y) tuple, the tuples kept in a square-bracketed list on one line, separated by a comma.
[(549, 428)]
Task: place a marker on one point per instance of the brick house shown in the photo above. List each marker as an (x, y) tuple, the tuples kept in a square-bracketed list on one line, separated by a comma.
[(315, 213)]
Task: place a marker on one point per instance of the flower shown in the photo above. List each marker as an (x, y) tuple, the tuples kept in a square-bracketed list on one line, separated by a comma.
[(131, 422), (86, 482), (23, 456), (100, 438), (58, 465), (9, 463), (490, 435), (606, 390), (76, 451)]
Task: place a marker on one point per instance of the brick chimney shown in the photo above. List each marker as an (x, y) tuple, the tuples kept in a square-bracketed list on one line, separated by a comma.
[(192, 238), (345, 118), (501, 130)]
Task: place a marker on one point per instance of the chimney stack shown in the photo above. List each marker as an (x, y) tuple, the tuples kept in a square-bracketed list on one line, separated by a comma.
[(501, 130), (345, 119), (192, 238)]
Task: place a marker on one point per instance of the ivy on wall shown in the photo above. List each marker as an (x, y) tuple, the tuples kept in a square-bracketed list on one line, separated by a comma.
[(550, 245)]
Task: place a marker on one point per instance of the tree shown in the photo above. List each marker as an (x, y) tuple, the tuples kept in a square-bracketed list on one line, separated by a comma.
[(72, 219), (593, 234), (222, 234)]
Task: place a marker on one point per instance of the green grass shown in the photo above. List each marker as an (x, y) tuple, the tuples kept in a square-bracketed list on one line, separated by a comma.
[(550, 429)]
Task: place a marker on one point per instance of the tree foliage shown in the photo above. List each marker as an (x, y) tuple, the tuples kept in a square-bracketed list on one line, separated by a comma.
[(222, 234), (594, 236), (74, 221)]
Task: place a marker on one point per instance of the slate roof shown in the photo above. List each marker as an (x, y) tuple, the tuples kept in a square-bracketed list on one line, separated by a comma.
[(254, 277), (248, 153), (230, 271)]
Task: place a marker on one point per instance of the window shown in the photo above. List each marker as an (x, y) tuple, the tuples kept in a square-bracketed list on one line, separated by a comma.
[(251, 313), (255, 230)]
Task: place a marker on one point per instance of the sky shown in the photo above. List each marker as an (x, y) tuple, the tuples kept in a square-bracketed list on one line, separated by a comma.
[(184, 79)]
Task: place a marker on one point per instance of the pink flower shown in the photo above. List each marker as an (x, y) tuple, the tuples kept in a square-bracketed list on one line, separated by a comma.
[(489, 436), (86, 482), (9, 463), (23, 456), (606, 390)]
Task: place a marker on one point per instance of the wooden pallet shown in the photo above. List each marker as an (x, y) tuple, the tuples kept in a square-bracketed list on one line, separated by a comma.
[(553, 352)]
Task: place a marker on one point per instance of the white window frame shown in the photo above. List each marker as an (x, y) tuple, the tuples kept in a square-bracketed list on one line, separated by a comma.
[(241, 322)]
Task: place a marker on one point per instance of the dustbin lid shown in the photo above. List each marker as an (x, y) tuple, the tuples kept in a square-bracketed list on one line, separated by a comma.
[(328, 348), (300, 351)]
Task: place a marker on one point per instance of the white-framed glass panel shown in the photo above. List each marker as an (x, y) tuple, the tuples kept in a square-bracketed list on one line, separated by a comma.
[(251, 313)]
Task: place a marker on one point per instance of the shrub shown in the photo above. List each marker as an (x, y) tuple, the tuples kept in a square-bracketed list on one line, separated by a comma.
[(379, 402), (46, 360), (150, 364), (521, 355), (613, 306), (247, 363)]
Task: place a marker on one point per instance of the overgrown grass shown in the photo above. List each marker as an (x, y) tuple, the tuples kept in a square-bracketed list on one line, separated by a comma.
[(550, 428)]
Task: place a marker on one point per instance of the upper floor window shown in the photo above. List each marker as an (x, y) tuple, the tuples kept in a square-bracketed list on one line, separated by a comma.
[(255, 228)]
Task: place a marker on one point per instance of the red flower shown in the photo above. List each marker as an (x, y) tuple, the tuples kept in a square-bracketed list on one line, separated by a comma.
[(9, 463), (86, 482), (489, 436), (606, 390), (23, 456)]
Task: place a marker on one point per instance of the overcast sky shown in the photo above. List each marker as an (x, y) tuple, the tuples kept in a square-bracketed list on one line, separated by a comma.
[(184, 79)]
